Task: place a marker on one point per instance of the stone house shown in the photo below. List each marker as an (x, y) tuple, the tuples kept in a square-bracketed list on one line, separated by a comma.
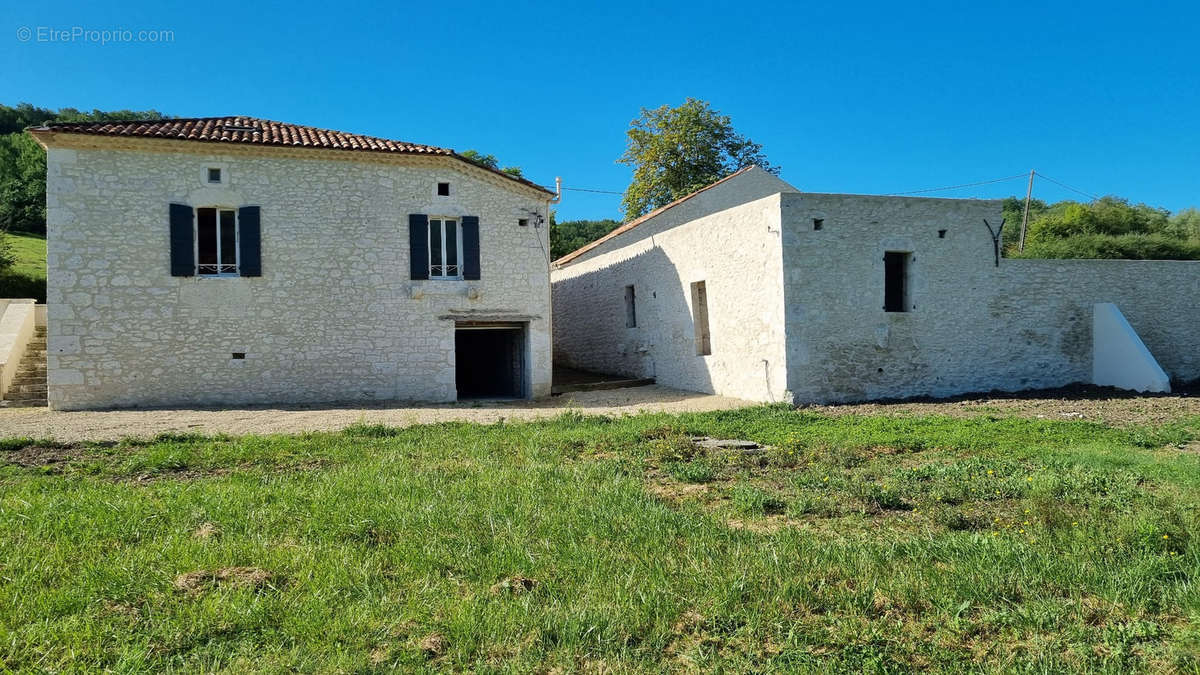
[(754, 289), (233, 260)]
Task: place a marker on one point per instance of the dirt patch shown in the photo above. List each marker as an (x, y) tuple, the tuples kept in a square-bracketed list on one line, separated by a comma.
[(194, 583), (207, 531), (514, 585), (46, 456), (1105, 405), (144, 423), (434, 645)]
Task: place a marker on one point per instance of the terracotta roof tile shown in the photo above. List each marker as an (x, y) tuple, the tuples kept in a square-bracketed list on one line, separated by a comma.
[(254, 131)]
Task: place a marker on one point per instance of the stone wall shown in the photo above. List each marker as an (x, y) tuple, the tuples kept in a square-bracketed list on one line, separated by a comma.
[(974, 326), (736, 253), (334, 317), (970, 325)]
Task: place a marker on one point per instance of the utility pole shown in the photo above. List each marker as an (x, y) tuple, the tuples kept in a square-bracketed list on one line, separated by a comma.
[(1025, 218)]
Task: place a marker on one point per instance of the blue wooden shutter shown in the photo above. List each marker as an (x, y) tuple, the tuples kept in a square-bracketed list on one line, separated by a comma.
[(183, 253), (250, 241), (470, 242), (418, 246)]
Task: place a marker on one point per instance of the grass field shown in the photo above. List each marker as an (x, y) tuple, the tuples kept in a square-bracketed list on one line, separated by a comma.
[(588, 544), (27, 277)]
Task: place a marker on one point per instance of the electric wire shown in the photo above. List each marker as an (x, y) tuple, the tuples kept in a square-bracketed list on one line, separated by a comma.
[(1061, 184), (955, 187)]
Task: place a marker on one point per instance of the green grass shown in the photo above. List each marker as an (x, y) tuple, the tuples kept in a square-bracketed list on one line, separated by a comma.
[(27, 277), (586, 544)]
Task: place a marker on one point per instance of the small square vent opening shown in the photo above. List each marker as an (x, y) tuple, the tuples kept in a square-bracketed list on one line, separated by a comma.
[(443, 189)]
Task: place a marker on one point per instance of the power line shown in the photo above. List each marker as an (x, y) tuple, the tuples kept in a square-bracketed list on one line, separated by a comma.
[(1060, 184), (955, 187), (606, 192)]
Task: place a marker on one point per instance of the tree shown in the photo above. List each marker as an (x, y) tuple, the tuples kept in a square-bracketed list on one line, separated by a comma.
[(1110, 227), (490, 162), (23, 162), (570, 235), (676, 151), (1185, 224), (7, 256)]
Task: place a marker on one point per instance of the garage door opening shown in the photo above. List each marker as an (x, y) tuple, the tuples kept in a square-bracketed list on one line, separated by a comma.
[(489, 361)]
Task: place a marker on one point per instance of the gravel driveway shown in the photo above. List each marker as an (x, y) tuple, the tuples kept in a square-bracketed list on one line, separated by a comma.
[(41, 423)]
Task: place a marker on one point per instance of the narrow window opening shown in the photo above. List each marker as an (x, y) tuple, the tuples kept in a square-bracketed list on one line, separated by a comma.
[(700, 318), (941, 234), (630, 308), (443, 189), (896, 281), (214, 175), (523, 222), (818, 223), (237, 356)]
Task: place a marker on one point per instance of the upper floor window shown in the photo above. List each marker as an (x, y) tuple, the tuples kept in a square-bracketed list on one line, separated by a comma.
[(216, 242), (445, 248)]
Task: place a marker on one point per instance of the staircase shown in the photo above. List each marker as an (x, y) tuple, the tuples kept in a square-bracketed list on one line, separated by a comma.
[(29, 386)]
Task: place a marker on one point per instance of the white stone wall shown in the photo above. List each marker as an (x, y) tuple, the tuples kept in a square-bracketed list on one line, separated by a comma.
[(750, 185), (975, 327), (736, 253), (334, 317)]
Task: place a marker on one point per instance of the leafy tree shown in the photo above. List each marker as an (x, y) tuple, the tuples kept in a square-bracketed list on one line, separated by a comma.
[(490, 162), (7, 256), (676, 151), (1185, 224), (22, 184), (570, 235), (1110, 227), (23, 162)]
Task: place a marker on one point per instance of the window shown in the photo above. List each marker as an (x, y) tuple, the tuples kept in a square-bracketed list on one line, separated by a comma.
[(630, 308), (700, 318), (818, 223), (216, 242), (443, 189), (214, 175), (445, 249), (895, 281), (522, 222)]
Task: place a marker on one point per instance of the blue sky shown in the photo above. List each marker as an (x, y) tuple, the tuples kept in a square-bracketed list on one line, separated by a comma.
[(866, 98)]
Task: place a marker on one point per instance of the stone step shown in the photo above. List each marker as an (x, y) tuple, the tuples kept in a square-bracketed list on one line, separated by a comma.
[(31, 368), (24, 395), (28, 379), (18, 389), (30, 403)]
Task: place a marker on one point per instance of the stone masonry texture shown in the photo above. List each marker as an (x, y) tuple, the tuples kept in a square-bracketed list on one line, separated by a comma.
[(797, 313), (334, 316)]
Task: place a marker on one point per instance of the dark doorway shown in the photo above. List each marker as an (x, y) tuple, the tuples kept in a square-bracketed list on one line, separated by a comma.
[(490, 361)]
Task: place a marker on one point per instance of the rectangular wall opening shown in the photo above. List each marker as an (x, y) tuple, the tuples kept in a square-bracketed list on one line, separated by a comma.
[(896, 281), (630, 308), (700, 318), (489, 361)]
